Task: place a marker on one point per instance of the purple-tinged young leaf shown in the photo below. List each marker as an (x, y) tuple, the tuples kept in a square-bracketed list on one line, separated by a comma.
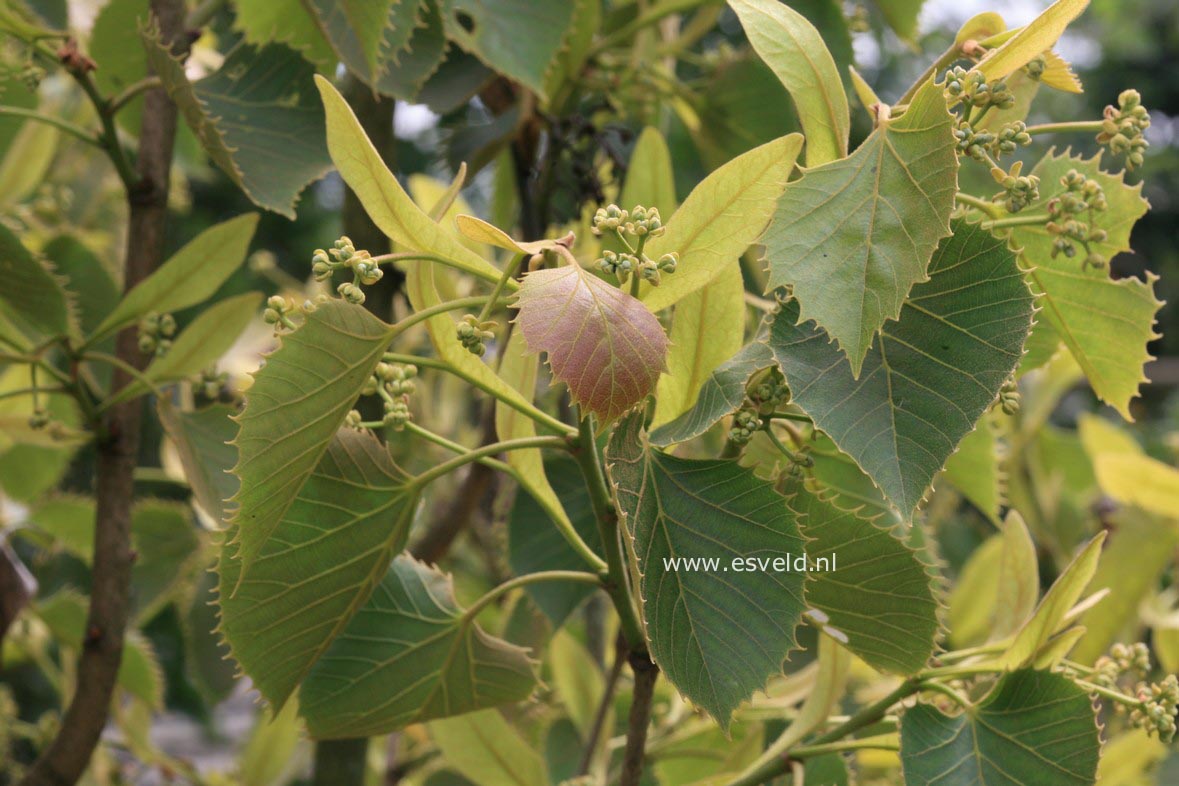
[(601, 342)]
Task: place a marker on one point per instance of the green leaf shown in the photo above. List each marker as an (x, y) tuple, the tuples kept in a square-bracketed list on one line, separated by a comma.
[(324, 558), (535, 545), (725, 213), (271, 754), (1038, 36), (650, 180), (577, 680), (853, 236), (190, 276), (256, 116), (383, 198), (517, 38), (485, 748), (199, 346), (930, 377), (600, 341), (32, 296), (26, 162), (997, 588), (720, 395), (1052, 614), (91, 289), (163, 535), (120, 65), (837, 473), (64, 614), (364, 34), (298, 401), (201, 440), (976, 471), (1105, 323), (1033, 727), (519, 370), (729, 117), (901, 16), (879, 595), (1139, 552), (718, 634), (391, 45), (795, 51), (285, 22), (706, 330), (410, 655)]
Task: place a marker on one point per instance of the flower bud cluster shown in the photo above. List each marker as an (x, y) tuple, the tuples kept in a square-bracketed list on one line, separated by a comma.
[(365, 271), (1123, 127), (972, 89), (472, 334), (1009, 397), (210, 383), (395, 384), (1082, 195), (639, 225), (1019, 190), (746, 423), (278, 312), (1156, 713), (767, 391), (155, 333), (978, 144)]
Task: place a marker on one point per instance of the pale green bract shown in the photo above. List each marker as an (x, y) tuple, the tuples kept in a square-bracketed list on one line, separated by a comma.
[(852, 237), (717, 634), (188, 277)]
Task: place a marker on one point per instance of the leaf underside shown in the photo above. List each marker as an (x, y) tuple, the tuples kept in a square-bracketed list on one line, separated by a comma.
[(31, 293), (880, 595), (257, 117), (721, 394), (852, 237), (718, 634), (410, 655), (1034, 727), (601, 342), (298, 401), (319, 565), (1105, 323), (931, 375)]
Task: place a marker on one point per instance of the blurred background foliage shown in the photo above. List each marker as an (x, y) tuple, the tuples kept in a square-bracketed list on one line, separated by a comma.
[(722, 102)]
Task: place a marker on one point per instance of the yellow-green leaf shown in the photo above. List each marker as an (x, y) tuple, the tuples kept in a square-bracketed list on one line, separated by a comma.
[(199, 346), (1105, 323), (383, 198), (725, 214), (1051, 615), (1040, 35), (486, 749), (189, 276), (795, 52), (707, 329)]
